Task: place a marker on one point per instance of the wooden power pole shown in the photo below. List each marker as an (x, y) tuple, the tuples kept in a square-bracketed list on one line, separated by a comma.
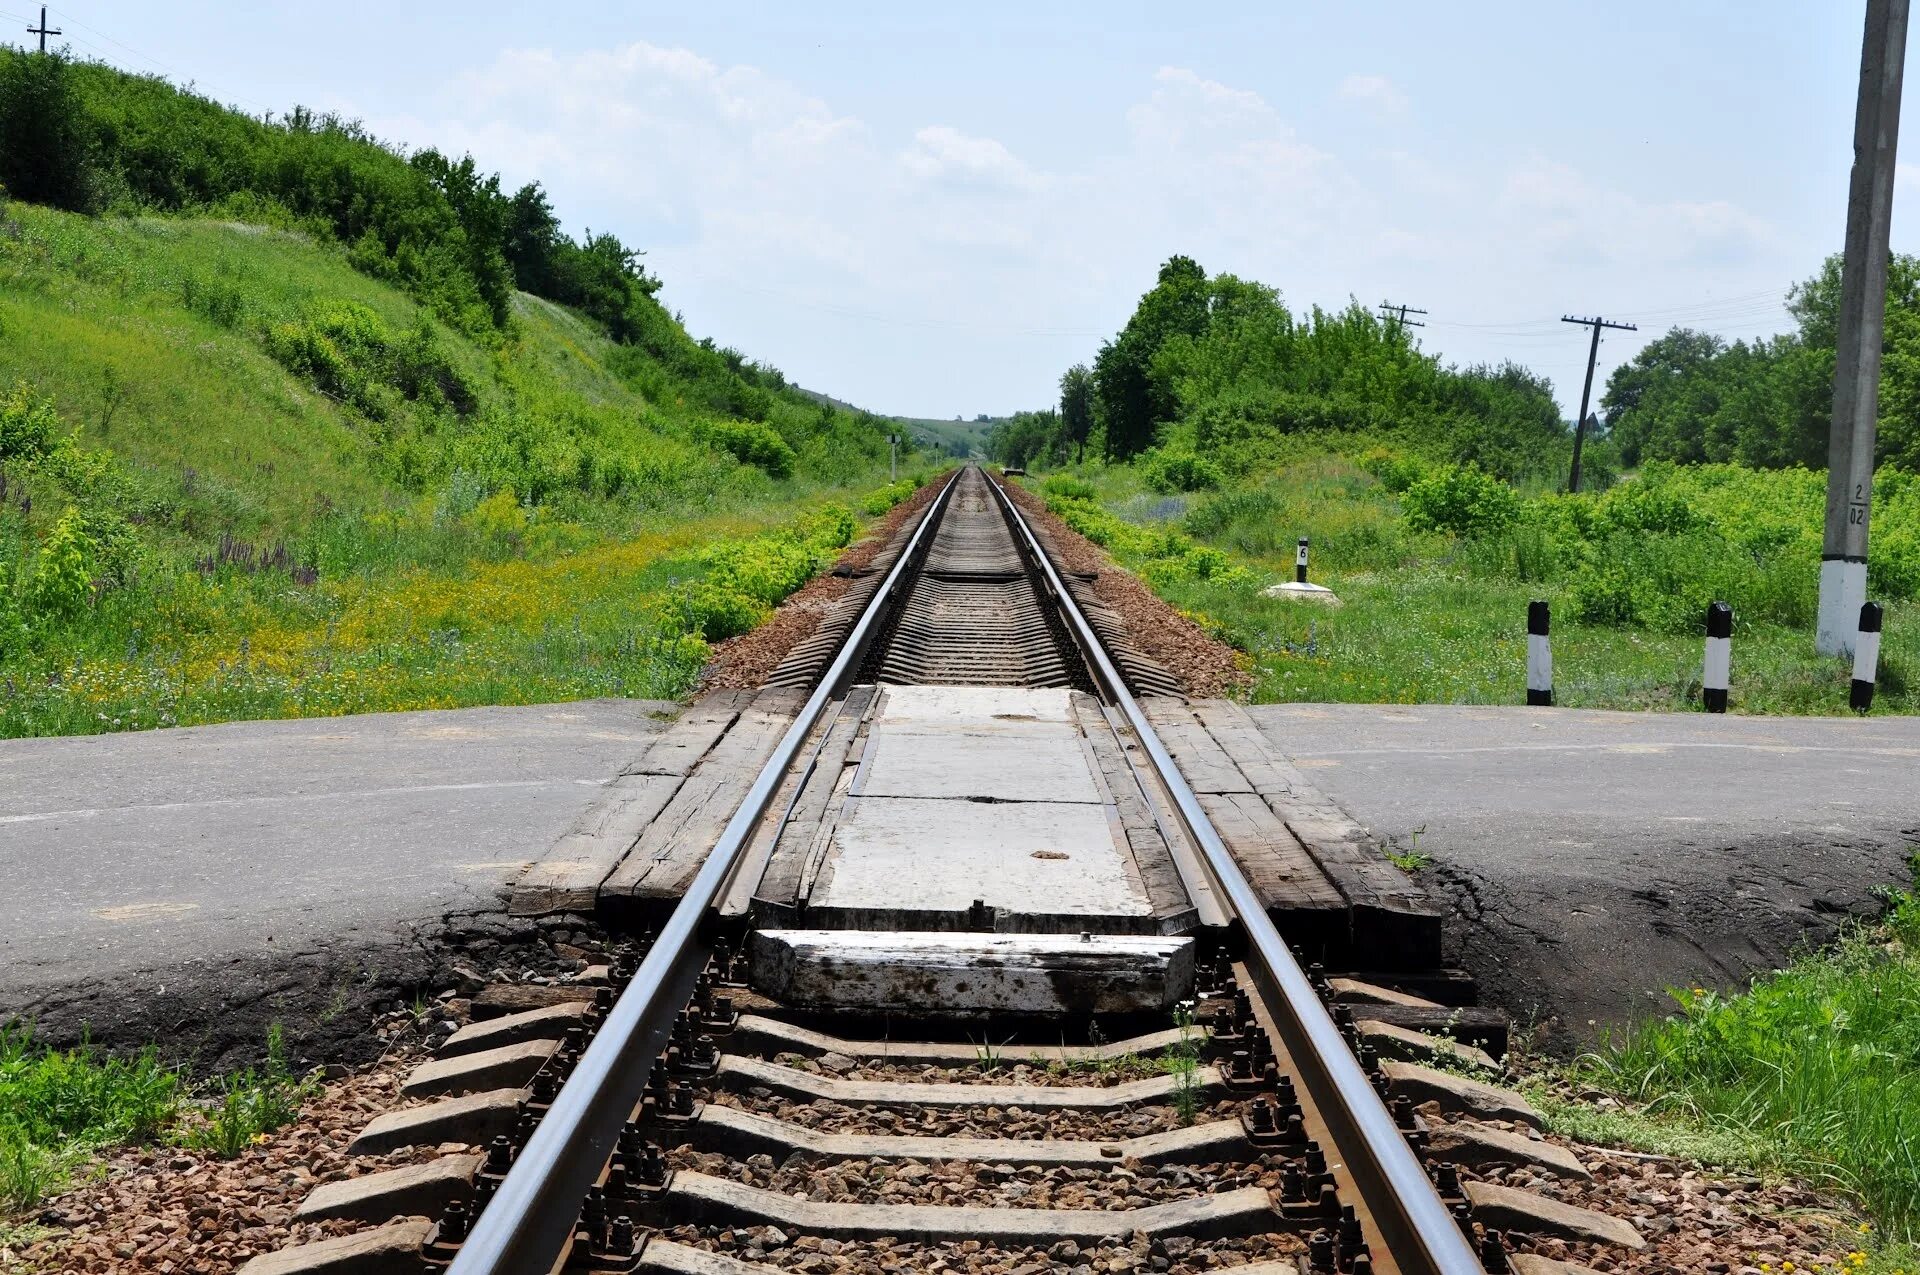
[(1863, 312), (1586, 394), (43, 30)]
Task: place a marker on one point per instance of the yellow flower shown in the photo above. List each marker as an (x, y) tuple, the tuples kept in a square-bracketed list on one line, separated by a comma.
[(1786, 1266)]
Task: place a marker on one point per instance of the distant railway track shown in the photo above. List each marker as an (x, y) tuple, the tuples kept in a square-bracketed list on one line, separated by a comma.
[(823, 992)]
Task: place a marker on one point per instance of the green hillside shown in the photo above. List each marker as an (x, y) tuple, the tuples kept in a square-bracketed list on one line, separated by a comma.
[(255, 464)]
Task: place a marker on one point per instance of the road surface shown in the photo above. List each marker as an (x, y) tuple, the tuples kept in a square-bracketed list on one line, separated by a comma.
[(1596, 858)]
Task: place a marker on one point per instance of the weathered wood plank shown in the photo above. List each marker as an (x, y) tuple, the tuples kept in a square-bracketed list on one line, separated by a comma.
[(1278, 867), (1240, 738), (681, 746), (1206, 765), (567, 878), (818, 805), (1144, 839), (679, 839)]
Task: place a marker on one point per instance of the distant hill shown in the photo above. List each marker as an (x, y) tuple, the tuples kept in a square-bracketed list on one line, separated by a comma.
[(957, 437)]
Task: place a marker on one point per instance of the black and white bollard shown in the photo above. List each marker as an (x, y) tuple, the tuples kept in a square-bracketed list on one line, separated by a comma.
[(1300, 562), (1539, 656), (1717, 668), (1866, 657)]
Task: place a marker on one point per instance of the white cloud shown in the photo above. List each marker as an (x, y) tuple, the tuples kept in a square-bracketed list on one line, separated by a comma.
[(1376, 91), (914, 266)]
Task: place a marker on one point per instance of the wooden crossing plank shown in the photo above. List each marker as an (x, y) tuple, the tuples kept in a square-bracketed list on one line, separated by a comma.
[(1152, 857), (1239, 737), (567, 878), (818, 805), (681, 746), (679, 839), (1201, 759)]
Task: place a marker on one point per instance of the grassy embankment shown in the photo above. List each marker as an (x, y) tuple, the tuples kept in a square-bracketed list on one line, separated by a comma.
[(240, 478), (1435, 572), (1814, 1071)]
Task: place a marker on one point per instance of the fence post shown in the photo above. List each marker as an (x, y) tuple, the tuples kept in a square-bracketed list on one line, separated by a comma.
[(1716, 669), (1866, 657), (1300, 562), (1539, 655)]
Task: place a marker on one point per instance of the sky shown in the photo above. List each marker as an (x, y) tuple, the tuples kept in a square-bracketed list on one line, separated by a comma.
[(934, 210)]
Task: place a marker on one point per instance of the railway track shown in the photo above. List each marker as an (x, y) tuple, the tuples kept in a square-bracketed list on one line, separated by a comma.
[(854, 1061)]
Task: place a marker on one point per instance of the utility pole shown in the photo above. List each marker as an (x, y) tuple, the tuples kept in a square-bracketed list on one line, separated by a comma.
[(1863, 312), (1398, 314), (43, 30), (1586, 394)]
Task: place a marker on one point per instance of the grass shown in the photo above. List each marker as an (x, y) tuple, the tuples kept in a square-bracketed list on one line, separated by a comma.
[(1182, 1062), (60, 1109), (572, 522), (1814, 1071), (1431, 618)]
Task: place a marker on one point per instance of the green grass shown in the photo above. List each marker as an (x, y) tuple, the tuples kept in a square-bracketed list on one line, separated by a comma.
[(1814, 1071), (61, 1109), (1429, 617), (568, 520)]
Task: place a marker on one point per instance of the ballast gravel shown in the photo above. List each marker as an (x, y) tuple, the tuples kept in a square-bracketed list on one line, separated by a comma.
[(987, 1120)]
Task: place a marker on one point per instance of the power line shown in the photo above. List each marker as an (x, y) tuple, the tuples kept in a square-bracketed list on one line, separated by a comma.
[(1586, 395)]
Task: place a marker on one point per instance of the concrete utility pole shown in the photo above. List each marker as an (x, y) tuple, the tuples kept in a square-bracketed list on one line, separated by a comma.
[(43, 30), (1863, 313), (1586, 395), (1398, 314)]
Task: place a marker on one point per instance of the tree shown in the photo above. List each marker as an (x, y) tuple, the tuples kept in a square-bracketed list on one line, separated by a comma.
[(1131, 401), (1076, 407), (46, 141), (532, 237)]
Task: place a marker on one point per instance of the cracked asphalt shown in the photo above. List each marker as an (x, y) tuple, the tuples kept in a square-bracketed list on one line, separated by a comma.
[(1594, 859), (161, 875)]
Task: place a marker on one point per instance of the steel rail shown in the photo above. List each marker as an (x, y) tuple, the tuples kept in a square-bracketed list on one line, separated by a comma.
[(527, 1224), (1423, 1237)]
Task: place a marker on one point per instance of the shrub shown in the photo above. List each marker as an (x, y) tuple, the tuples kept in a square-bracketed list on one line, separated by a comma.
[(750, 443), (717, 612), (63, 572), (1462, 499), (1171, 471), (29, 427), (1063, 487), (1395, 471)]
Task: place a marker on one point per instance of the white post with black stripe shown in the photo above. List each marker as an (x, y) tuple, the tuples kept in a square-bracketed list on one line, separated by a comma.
[(1866, 657), (1300, 562), (1717, 668), (1539, 655)]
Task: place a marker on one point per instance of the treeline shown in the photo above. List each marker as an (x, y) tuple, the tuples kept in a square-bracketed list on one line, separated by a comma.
[(86, 137), (1215, 376), (1692, 397)]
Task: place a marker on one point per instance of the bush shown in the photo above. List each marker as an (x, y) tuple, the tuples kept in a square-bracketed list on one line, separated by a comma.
[(717, 612), (1395, 471), (1062, 487), (750, 443), (29, 427), (63, 572), (1461, 499), (1173, 471)]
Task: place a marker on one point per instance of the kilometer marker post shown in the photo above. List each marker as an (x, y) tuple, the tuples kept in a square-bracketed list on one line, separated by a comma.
[(1717, 667), (1539, 656), (1300, 562), (1866, 657)]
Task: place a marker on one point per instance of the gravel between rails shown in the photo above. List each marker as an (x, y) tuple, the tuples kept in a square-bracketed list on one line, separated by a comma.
[(810, 1255), (984, 1121), (1123, 1184), (1204, 664), (1011, 1072)]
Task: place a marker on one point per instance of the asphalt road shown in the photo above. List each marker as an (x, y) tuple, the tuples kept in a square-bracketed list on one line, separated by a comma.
[(138, 860), (1596, 858)]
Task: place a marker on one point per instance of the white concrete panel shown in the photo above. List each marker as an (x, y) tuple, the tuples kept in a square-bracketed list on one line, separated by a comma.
[(973, 707), (1031, 857), (1036, 973), (1017, 767)]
